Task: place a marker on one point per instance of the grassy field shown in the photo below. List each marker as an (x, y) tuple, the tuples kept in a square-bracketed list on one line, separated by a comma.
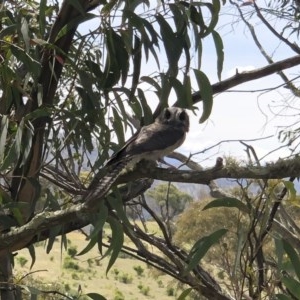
[(128, 279)]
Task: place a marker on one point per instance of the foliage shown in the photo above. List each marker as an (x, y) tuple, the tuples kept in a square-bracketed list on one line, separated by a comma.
[(119, 295), (69, 96), (69, 263), (22, 261), (238, 249), (144, 289), (170, 200), (72, 251), (139, 270)]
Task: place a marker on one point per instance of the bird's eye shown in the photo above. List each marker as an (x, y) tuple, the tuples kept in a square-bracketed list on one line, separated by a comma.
[(182, 116), (167, 114)]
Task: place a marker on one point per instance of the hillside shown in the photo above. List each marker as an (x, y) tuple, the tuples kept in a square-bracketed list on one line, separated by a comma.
[(57, 271)]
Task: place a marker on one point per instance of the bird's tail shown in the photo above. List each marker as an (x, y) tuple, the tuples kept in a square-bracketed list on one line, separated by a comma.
[(99, 189)]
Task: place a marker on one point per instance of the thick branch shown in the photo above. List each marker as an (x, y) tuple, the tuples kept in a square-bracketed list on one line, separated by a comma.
[(278, 170), (243, 77)]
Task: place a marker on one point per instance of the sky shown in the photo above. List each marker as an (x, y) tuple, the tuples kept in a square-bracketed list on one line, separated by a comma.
[(238, 115), (241, 115)]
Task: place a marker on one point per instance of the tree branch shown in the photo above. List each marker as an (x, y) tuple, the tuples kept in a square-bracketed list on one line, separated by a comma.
[(243, 77), (278, 170)]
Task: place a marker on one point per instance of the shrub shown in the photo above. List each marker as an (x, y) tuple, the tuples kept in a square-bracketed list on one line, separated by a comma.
[(144, 289), (139, 270), (160, 283), (72, 251), (75, 276), (22, 261), (125, 278), (119, 295), (170, 291), (70, 264)]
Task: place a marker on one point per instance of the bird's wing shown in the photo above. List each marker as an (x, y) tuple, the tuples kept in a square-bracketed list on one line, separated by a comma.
[(151, 138)]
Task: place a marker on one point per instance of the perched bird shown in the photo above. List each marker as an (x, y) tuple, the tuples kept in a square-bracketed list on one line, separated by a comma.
[(151, 142)]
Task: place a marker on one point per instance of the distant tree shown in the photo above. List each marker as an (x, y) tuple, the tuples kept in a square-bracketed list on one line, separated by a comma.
[(170, 200)]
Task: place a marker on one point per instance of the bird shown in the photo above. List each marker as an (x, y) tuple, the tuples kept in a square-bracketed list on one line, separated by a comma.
[(151, 142)]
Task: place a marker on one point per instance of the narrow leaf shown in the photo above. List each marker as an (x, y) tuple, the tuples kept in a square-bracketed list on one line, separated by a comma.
[(31, 65), (201, 247), (292, 285), (118, 127), (220, 52), (206, 93), (98, 226), (117, 240), (227, 202), (25, 33), (96, 296), (42, 16), (293, 256), (291, 188), (184, 294), (31, 250), (3, 135), (282, 297)]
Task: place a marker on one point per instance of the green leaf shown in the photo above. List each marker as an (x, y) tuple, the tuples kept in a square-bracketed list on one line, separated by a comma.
[(183, 91), (122, 57), (214, 9), (283, 297), (241, 237), (96, 296), (117, 240), (94, 68), (27, 142), (293, 256), (201, 247), (117, 204), (118, 127), (42, 16), (38, 113), (3, 135), (98, 223), (31, 250), (206, 93), (291, 188), (165, 90), (184, 294), (172, 43), (31, 65), (63, 242), (220, 52), (25, 33), (279, 251), (227, 202), (54, 231), (292, 285), (148, 116), (144, 26)]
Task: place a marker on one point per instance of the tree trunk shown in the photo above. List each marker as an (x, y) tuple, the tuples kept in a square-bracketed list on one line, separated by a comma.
[(8, 291)]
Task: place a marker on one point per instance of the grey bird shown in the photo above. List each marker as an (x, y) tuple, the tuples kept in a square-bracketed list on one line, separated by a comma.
[(151, 142)]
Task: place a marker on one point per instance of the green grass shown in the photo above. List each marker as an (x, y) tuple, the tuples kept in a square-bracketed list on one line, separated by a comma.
[(57, 270)]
